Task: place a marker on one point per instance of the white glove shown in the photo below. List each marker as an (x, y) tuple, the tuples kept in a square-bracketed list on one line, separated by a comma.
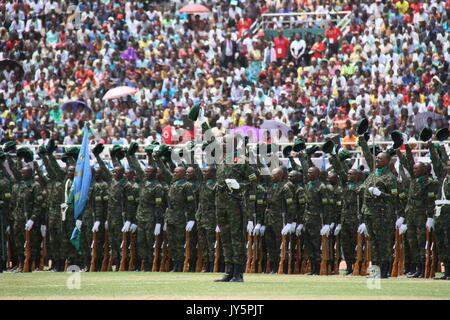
[(78, 224), (325, 231), (157, 229), (374, 191), (292, 227), (286, 229), (126, 226), (430, 224), (8, 229), (190, 225), (29, 225), (106, 225), (332, 225), (338, 229), (257, 229), (403, 228), (250, 226), (362, 228), (263, 229), (43, 230), (298, 230), (399, 222), (96, 226), (217, 229), (133, 228), (232, 184), (64, 205), (165, 226)]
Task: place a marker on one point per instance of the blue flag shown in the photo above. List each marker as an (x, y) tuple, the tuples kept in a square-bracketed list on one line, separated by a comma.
[(83, 175)]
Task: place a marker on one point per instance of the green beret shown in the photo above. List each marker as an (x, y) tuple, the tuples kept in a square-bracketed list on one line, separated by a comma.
[(344, 154), (299, 145), (426, 134), (311, 150), (194, 112), (442, 134), (98, 149), (117, 152), (363, 126), (42, 151), (10, 146), (134, 146), (51, 146)]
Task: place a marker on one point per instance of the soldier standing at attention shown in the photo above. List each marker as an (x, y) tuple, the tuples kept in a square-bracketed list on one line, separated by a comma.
[(206, 217), (229, 210), (149, 212), (119, 207)]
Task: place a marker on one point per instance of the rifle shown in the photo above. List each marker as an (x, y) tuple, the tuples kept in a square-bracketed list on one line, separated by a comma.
[(290, 254), (401, 261), (155, 253), (187, 255), (249, 252), (323, 263), (427, 254), (93, 252), (123, 259), (367, 256), (297, 256), (105, 252), (282, 255), (43, 253), (359, 252), (255, 254), (199, 262), (9, 254), (330, 257), (164, 267), (26, 264), (260, 254), (394, 272), (3, 258), (434, 260), (338, 254), (305, 263), (131, 263), (267, 263), (217, 253)]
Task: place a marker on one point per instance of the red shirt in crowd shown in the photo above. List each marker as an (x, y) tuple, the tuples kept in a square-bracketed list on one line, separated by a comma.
[(333, 34), (243, 24), (281, 46)]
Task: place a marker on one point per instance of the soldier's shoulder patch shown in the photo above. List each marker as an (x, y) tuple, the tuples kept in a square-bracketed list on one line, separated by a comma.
[(105, 197), (289, 200), (394, 191), (252, 177), (158, 200), (190, 198), (7, 195), (98, 198), (130, 198)]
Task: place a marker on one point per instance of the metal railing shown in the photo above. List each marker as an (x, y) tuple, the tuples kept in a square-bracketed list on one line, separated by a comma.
[(307, 19)]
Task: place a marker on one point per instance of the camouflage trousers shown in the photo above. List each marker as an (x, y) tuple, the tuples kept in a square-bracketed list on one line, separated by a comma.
[(176, 234), (230, 222), (348, 240), (273, 241), (146, 240), (312, 225), (416, 236), (68, 251), (379, 229), (206, 241), (442, 230), (115, 238), (54, 231), (19, 242), (87, 242)]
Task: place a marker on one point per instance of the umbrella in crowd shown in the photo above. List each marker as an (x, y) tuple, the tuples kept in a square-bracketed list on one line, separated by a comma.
[(119, 92), (249, 131), (14, 65), (270, 125), (194, 8), (76, 105), (129, 54)]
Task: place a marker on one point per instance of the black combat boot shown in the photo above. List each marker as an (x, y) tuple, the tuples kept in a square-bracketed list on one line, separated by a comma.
[(384, 270), (238, 273), (206, 267), (229, 272), (349, 269), (412, 269), (418, 272), (174, 266), (446, 275)]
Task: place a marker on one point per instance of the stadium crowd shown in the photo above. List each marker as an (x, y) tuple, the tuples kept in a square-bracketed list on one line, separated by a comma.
[(390, 67)]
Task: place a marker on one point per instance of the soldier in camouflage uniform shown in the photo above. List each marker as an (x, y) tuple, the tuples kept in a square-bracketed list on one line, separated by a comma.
[(25, 214), (149, 212), (280, 212), (194, 177), (380, 192), (5, 208), (120, 207), (441, 167), (206, 217), (41, 182), (95, 216), (180, 211), (352, 200), (229, 209), (315, 216)]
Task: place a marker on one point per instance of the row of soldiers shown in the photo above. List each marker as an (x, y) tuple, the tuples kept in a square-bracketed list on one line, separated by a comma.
[(317, 216)]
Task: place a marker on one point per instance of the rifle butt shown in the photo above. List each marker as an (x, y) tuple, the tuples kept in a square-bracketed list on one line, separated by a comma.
[(187, 253), (94, 252), (283, 255), (323, 262), (26, 264), (123, 258), (155, 255), (427, 255)]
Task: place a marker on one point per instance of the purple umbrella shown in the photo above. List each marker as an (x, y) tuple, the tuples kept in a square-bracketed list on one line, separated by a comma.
[(251, 132), (129, 54)]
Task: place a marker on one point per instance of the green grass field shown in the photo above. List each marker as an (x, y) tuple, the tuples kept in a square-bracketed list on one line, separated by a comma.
[(200, 286)]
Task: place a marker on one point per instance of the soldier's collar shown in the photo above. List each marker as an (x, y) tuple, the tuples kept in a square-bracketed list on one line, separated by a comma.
[(121, 180), (421, 178), (380, 171), (210, 181), (352, 185), (179, 181), (314, 181), (28, 182)]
